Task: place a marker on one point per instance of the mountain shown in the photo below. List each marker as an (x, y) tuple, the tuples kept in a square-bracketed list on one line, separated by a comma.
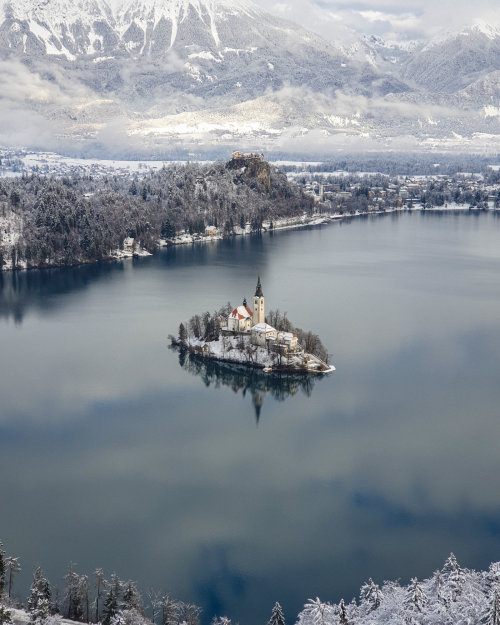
[(150, 75), (450, 64)]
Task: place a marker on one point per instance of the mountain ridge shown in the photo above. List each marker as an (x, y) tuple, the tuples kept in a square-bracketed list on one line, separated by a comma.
[(156, 72)]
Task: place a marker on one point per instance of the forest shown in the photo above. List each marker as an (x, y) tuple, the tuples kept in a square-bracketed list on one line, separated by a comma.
[(51, 221), (453, 595)]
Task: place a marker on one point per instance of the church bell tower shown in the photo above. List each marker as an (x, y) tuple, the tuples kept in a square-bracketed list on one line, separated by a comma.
[(259, 315)]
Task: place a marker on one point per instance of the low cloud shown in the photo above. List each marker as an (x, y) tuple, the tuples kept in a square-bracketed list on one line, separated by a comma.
[(387, 18)]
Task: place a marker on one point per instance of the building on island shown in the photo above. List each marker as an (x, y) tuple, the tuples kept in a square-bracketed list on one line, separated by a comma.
[(262, 334), (242, 320), (259, 315)]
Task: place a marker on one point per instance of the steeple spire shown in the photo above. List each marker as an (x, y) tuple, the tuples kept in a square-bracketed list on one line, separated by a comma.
[(258, 290)]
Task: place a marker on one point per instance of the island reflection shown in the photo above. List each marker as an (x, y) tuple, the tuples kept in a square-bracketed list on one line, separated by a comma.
[(280, 385)]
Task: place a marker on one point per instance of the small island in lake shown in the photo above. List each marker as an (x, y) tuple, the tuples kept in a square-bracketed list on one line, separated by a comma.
[(244, 335)]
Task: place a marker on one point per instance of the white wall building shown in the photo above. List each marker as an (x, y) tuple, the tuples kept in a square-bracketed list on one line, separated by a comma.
[(262, 334), (240, 320)]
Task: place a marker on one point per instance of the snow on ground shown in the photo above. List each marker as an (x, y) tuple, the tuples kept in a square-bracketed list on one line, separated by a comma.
[(10, 229), (238, 349)]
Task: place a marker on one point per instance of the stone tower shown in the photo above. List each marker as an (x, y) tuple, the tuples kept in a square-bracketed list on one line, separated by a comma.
[(259, 314)]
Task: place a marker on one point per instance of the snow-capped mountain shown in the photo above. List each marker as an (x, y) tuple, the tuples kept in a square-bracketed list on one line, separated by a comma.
[(157, 73), (454, 61)]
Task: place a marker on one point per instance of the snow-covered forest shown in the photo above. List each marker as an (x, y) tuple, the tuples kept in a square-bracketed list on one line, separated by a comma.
[(48, 221), (450, 596)]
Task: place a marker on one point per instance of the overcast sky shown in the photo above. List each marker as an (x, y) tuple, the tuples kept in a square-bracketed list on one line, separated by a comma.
[(391, 19)]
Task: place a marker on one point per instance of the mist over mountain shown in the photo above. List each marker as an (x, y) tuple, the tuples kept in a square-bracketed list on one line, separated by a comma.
[(155, 76)]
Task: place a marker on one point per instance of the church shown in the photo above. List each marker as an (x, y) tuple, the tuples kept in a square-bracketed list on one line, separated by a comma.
[(244, 320)]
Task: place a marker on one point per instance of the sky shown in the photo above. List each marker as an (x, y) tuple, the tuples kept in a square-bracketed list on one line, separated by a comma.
[(390, 19)]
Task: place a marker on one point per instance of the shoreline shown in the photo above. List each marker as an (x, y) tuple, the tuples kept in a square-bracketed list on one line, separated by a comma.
[(305, 363), (286, 223)]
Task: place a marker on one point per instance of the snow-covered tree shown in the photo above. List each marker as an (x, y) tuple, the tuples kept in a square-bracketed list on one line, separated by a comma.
[(317, 613), (189, 613), (73, 608), (5, 616), (415, 597), (131, 598), (344, 620), (220, 620), (111, 602), (39, 599), (99, 585), (371, 594), (454, 578), (277, 617), (129, 617), (13, 567), (169, 611), (493, 617)]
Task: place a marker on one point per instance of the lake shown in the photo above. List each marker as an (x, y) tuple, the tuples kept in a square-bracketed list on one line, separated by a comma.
[(235, 492)]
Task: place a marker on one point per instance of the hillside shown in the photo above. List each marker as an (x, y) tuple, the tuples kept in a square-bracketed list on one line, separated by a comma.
[(48, 221)]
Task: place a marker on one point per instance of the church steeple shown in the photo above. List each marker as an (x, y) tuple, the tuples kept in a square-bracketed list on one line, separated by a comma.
[(258, 290), (259, 315)]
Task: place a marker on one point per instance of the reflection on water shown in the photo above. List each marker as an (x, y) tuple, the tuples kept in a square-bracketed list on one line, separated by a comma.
[(242, 379), (21, 291)]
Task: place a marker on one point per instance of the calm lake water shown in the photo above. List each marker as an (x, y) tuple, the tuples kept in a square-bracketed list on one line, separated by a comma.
[(114, 455)]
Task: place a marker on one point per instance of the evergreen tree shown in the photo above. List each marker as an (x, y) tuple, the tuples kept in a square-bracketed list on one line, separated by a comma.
[(415, 599), (111, 603), (182, 333), (454, 577), (131, 598), (343, 613), (371, 594), (277, 617), (13, 567), (72, 598), (39, 599), (100, 583), (493, 617)]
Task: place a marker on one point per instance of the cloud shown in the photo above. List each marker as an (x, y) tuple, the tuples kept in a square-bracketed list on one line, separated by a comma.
[(387, 18)]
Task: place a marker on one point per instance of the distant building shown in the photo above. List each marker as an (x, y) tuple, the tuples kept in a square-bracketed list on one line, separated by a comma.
[(211, 231)]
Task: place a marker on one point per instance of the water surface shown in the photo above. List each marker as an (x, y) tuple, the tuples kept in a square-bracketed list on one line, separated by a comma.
[(114, 455)]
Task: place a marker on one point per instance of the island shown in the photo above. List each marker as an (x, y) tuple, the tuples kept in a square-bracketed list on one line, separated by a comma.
[(245, 336)]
